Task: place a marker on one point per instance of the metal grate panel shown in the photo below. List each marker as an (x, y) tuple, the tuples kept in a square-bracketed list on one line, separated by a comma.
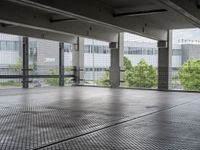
[(89, 118)]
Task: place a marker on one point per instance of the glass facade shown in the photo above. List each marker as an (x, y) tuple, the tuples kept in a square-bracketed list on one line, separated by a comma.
[(184, 72), (140, 62), (96, 62), (140, 51)]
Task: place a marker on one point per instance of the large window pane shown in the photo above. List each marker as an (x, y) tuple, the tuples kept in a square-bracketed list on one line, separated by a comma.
[(96, 62), (10, 59), (140, 62), (44, 60), (185, 70)]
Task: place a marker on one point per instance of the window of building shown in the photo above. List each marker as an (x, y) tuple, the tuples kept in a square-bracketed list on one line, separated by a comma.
[(9, 45), (176, 52)]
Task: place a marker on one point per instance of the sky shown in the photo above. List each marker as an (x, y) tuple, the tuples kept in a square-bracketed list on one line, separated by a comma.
[(181, 35)]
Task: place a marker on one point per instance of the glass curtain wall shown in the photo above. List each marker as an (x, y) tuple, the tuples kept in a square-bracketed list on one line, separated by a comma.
[(43, 60), (68, 50), (140, 62), (10, 59), (185, 69), (96, 62)]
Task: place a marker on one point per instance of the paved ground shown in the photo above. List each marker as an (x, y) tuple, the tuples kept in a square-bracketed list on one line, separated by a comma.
[(98, 118)]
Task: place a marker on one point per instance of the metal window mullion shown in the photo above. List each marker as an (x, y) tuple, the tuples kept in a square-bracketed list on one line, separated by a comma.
[(61, 64), (25, 69)]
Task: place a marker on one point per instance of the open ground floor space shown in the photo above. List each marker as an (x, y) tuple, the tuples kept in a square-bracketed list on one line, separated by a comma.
[(92, 118)]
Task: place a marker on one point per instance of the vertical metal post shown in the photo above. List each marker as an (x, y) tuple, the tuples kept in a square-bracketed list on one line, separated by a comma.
[(25, 69), (78, 60), (61, 64)]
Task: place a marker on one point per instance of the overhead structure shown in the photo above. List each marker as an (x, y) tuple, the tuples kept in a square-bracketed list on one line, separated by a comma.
[(15, 16), (150, 18), (72, 20), (101, 19), (190, 9), (41, 34)]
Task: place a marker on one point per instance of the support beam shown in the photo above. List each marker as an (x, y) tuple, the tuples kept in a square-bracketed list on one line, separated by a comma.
[(116, 61), (28, 32), (61, 64), (164, 62), (25, 69), (90, 10), (198, 4), (187, 8), (78, 60), (27, 17)]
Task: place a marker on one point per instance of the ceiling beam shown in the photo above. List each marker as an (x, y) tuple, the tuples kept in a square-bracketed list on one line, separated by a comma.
[(187, 8), (198, 3), (21, 31), (38, 20), (99, 14)]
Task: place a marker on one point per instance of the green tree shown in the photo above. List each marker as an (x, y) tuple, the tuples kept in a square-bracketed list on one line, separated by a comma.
[(104, 80), (17, 67), (52, 81), (127, 64), (55, 81), (140, 75), (189, 75)]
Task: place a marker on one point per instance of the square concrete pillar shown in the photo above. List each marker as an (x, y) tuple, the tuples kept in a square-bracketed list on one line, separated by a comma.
[(164, 62), (116, 61)]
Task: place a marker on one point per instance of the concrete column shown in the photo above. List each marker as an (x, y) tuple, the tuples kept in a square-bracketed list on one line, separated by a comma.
[(116, 61), (121, 55), (78, 60), (164, 62), (61, 64), (170, 58), (25, 69)]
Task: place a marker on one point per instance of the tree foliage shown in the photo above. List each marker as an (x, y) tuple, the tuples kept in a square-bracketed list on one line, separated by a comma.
[(189, 75), (55, 81), (104, 80), (17, 67), (140, 75), (52, 81), (127, 64)]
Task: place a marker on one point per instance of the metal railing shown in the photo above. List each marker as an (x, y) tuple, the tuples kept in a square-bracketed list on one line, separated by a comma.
[(94, 77), (9, 79)]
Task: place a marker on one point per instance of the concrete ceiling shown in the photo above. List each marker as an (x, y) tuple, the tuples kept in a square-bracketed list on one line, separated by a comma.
[(102, 19)]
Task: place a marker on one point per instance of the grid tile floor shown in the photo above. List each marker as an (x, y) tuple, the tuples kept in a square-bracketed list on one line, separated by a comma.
[(98, 118)]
